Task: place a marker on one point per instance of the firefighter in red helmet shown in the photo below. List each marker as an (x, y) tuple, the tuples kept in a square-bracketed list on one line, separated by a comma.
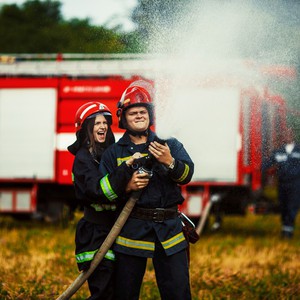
[(86, 112), (153, 230), (139, 93), (93, 131)]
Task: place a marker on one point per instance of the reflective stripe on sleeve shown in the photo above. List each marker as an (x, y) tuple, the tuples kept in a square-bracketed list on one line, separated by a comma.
[(185, 174), (107, 189)]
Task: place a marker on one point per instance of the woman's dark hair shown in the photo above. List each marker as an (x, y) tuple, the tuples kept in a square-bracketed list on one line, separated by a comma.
[(85, 137), (89, 127)]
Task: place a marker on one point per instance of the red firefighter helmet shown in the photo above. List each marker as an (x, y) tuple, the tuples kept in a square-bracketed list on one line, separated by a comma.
[(89, 110), (138, 93)]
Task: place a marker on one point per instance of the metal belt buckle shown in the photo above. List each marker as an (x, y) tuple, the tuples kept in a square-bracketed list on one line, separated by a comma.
[(159, 215)]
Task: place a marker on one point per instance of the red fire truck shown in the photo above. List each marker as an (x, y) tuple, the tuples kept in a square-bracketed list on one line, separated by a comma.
[(229, 120), (226, 126)]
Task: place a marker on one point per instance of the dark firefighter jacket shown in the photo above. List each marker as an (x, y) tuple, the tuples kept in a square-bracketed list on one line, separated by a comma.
[(288, 165), (138, 236), (92, 189), (97, 194)]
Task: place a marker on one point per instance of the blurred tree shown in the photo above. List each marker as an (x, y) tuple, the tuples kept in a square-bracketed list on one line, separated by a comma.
[(153, 17), (133, 42), (268, 31), (38, 27)]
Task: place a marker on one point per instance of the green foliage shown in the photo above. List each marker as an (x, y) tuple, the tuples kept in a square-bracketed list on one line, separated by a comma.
[(151, 16), (133, 42), (155, 18), (38, 27)]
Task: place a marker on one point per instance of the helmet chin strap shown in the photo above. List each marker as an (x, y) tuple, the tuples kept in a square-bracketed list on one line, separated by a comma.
[(138, 133)]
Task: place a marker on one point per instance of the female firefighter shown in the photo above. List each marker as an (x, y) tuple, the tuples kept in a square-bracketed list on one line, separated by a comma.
[(153, 229), (94, 135)]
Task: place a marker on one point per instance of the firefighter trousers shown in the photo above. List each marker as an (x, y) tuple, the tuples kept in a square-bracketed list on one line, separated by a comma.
[(100, 281), (289, 204), (172, 275)]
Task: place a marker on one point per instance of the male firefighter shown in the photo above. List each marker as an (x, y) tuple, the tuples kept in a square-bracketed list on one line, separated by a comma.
[(153, 229), (287, 161)]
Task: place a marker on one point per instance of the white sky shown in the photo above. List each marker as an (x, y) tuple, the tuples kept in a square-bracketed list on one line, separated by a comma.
[(100, 12)]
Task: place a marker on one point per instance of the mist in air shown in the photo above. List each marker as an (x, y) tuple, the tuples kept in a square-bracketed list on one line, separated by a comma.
[(217, 39)]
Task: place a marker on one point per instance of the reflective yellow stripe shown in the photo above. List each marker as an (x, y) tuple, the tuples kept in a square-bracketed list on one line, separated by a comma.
[(185, 173), (135, 243), (110, 255), (88, 256), (107, 189), (122, 159), (178, 238)]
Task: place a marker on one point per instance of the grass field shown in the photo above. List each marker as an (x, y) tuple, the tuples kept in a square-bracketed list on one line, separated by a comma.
[(245, 260)]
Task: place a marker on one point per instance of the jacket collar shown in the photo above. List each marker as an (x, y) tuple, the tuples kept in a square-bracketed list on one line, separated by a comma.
[(125, 139)]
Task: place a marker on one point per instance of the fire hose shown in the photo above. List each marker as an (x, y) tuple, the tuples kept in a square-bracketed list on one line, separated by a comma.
[(114, 232)]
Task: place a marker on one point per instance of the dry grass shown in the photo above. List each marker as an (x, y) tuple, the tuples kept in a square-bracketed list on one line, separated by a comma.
[(245, 260)]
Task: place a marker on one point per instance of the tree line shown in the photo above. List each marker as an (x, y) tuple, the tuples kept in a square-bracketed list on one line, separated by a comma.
[(39, 27), (263, 30)]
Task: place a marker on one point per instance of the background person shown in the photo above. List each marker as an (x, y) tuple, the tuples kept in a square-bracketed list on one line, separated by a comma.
[(153, 229), (93, 125), (286, 159)]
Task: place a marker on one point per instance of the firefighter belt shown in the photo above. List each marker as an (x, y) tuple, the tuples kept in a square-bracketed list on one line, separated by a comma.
[(157, 215)]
